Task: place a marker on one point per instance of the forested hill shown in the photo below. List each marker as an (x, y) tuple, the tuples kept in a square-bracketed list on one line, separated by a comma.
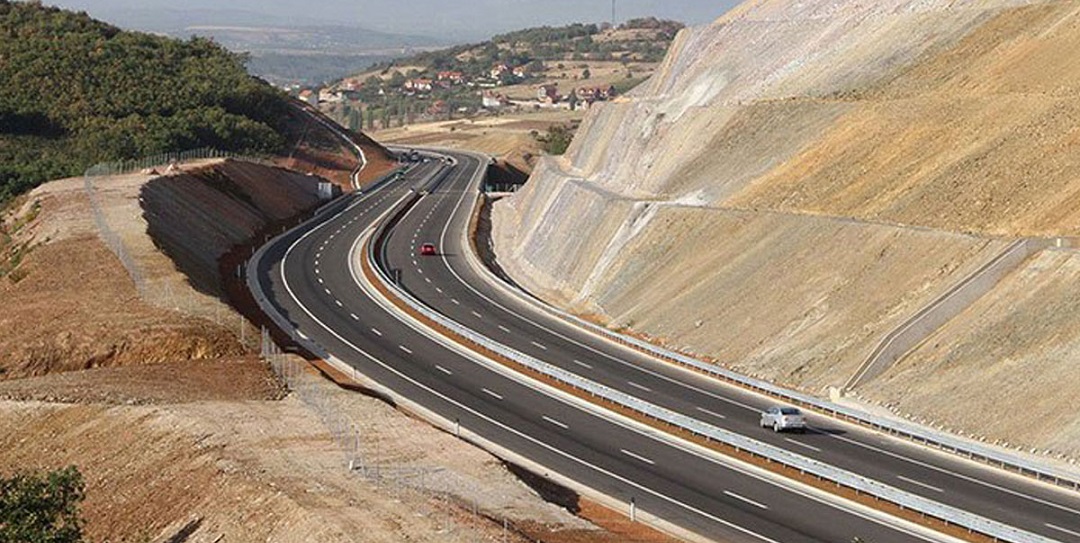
[(75, 91)]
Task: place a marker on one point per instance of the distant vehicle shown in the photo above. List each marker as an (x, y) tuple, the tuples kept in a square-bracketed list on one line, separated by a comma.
[(427, 249), (783, 418)]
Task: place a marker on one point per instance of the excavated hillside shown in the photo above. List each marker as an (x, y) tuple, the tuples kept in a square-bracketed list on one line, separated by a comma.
[(800, 178)]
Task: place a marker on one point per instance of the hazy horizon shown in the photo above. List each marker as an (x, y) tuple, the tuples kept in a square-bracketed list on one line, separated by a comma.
[(476, 20)]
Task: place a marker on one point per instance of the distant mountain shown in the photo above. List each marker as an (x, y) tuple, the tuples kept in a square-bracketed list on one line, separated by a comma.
[(450, 21), (338, 40), (286, 51)]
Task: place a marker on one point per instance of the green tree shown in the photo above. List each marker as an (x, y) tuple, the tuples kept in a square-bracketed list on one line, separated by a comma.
[(557, 140), (42, 508)]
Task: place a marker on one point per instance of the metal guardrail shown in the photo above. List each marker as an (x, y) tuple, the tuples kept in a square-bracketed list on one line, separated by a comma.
[(821, 470), (913, 432), (792, 460)]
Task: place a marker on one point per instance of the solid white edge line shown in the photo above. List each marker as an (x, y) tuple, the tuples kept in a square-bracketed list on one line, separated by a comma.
[(961, 476)]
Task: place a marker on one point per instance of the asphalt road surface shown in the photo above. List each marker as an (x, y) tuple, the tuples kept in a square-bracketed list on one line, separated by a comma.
[(308, 278)]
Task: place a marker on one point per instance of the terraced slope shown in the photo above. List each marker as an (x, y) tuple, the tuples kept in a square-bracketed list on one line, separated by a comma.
[(801, 177)]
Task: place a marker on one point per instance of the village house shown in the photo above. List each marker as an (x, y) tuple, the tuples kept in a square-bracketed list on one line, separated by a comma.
[(493, 100), (419, 85), (330, 97), (455, 78), (548, 94), (499, 70), (309, 97)]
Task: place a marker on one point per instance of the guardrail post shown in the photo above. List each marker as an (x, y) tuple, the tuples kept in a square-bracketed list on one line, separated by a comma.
[(633, 510)]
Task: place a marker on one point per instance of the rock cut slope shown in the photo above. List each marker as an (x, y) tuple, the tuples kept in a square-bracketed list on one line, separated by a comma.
[(801, 177)]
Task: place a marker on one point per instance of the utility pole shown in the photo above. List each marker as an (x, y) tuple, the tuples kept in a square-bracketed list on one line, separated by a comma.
[(612, 14)]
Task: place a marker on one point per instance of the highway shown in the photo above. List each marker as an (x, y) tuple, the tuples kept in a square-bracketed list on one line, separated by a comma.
[(452, 287), (310, 279)]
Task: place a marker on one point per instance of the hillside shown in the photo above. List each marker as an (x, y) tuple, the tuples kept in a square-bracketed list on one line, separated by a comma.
[(75, 91), (582, 63), (800, 178)]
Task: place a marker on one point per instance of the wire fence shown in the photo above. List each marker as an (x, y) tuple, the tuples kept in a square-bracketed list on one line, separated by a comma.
[(125, 167), (452, 502), (169, 291)]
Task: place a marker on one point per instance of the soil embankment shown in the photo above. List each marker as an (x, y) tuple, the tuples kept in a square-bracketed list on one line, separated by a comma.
[(801, 177)]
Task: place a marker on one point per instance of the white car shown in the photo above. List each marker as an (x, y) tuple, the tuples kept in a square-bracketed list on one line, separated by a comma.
[(783, 418)]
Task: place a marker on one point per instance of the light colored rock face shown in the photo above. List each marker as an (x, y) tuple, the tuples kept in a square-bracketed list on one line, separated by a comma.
[(801, 176)]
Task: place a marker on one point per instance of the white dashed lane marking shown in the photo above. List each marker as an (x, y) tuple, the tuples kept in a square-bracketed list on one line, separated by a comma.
[(539, 345), (404, 348), (713, 413), (745, 500), (918, 483), (582, 364), (638, 457), (801, 444), (492, 394), (444, 370), (556, 423), (376, 332), (1063, 530), (639, 387)]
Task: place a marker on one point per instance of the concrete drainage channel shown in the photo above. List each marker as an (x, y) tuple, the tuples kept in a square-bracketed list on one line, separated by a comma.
[(899, 500)]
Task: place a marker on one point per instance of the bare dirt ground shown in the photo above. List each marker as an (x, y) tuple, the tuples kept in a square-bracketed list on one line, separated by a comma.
[(508, 137)]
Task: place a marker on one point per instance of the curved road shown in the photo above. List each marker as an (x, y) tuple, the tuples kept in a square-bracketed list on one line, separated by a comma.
[(309, 279), (454, 288)]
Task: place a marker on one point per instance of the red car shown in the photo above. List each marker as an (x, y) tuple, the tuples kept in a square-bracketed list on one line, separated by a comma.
[(427, 249)]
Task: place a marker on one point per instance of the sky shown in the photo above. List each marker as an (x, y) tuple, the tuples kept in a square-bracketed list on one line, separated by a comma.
[(452, 21)]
